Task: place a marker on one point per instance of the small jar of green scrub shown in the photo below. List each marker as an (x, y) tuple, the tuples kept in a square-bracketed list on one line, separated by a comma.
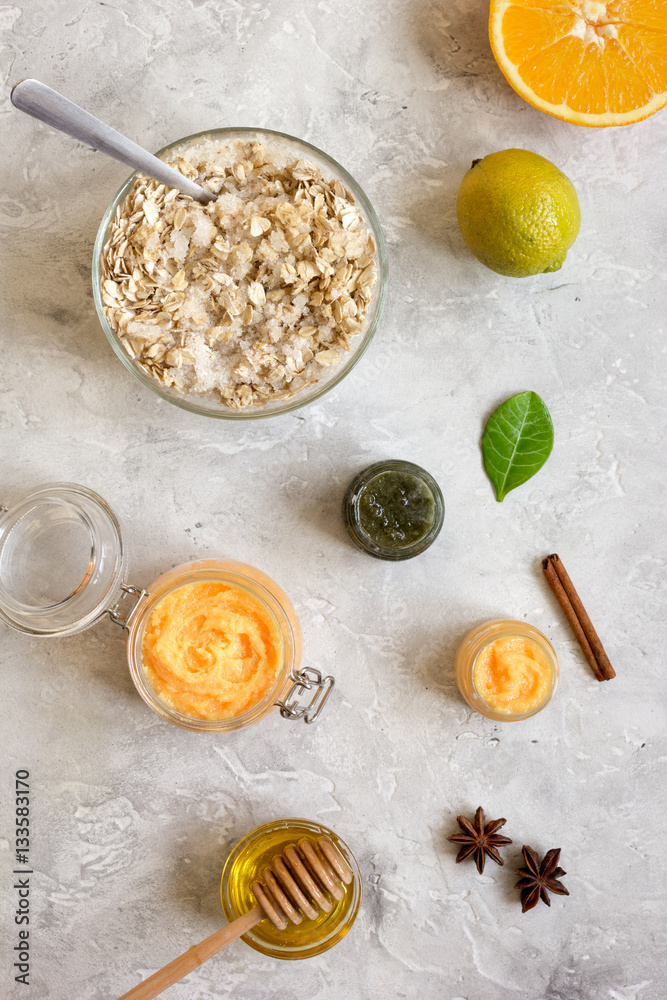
[(393, 510)]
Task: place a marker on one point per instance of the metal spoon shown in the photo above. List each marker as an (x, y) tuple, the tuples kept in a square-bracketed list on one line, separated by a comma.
[(49, 106)]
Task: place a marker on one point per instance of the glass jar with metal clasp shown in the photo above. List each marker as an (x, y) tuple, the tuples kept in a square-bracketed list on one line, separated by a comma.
[(63, 568)]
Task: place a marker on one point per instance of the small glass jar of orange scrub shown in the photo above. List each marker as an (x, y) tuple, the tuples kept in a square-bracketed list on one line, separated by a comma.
[(506, 670), (212, 646), (245, 864)]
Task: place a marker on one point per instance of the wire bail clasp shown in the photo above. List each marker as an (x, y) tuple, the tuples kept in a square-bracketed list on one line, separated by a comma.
[(309, 679), (127, 592)]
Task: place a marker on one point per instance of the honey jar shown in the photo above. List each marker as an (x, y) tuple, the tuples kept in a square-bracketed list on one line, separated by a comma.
[(245, 864)]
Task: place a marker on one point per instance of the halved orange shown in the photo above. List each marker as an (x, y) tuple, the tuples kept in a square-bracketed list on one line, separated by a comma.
[(590, 62)]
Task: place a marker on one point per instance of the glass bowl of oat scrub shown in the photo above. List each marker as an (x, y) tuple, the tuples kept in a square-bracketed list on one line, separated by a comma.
[(252, 305)]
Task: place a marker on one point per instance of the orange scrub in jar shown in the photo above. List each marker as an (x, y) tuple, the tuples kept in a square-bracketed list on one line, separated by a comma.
[(512, 675), (211, 650)]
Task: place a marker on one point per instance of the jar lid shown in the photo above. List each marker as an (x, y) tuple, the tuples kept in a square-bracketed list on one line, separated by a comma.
[(61, 560)]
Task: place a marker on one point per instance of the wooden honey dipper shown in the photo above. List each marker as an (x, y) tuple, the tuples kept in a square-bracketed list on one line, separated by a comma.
[(293, 886)]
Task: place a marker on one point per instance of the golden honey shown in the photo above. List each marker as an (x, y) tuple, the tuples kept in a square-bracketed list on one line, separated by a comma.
[(246, 863)]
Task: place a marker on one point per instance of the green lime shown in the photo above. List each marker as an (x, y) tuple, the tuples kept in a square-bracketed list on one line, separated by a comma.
[(518, 213)]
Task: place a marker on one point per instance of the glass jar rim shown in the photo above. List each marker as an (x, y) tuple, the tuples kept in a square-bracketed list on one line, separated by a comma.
[(300, 398)]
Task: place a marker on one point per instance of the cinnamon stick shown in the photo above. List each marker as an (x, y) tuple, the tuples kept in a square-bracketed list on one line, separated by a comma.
[(563, 589)]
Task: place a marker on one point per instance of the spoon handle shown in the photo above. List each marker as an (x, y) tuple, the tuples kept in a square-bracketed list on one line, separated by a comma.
[(49, 106), (194, 957)]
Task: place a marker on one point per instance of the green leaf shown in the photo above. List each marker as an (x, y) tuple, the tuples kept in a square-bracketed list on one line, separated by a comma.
[(517, 441)]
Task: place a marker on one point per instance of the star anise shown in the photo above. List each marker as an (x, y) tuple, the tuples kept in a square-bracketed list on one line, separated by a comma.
[(479, 840), (536, 878)]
